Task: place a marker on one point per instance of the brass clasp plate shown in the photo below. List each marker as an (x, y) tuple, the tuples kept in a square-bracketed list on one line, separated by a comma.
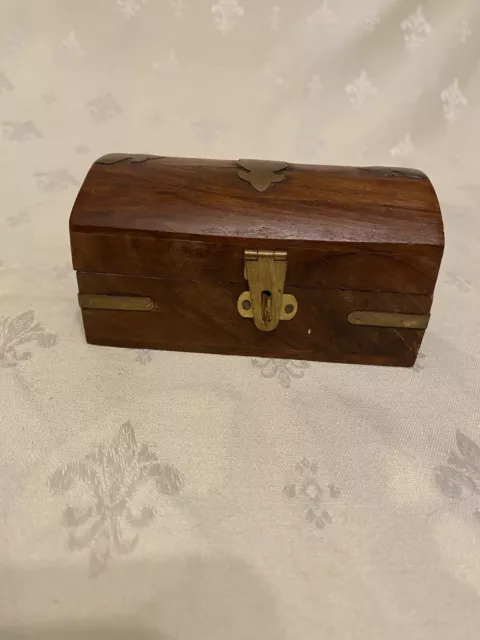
[(265, 301)]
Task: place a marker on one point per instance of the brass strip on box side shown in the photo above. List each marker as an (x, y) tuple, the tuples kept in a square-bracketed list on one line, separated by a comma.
[(392, 320), (115, 303)]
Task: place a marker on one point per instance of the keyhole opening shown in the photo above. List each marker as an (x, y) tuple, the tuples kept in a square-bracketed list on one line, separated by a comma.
[(267, 306)]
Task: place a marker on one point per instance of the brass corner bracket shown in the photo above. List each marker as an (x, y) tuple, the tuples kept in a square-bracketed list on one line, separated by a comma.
[(261, 174)]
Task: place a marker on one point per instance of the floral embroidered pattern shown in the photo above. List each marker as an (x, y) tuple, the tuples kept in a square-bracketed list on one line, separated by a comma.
[(454, 102), (464, 31), (5, 84), (81, 149), (361, 90), (206, 130), (111, 476), (55, 180), (315, 87), (63, 272), (404, 149), (463, 285), (178, 7), (373, 20), (416, 29), (459, 479), (19, 218), (130, 8), (275, 18), (71, 45), (15, 40), (226, 13), (323, 15), (18, 331), (49, 97), (144, 356), (284, 370), (20, 131), (270, 76), (103, 108), (314, 497), (168, 64)]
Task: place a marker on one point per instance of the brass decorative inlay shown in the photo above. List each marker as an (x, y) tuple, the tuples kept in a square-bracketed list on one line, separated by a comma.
[(392, 320), (395, 172), (261, 174), (114, 158), (265, 301), (115, 303)]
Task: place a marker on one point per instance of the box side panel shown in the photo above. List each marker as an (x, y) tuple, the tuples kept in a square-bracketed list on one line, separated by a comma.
[(203, 317)]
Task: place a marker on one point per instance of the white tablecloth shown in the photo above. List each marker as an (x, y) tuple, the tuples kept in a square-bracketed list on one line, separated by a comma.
[(180, 496)]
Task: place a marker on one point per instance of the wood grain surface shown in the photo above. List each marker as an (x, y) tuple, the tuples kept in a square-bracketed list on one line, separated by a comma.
[(413, 271), (205, 199), (203, 317)]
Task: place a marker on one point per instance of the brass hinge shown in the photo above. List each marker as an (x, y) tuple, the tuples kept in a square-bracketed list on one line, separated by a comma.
[(265, 301)]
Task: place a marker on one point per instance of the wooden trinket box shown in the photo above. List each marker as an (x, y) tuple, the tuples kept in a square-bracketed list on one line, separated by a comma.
[(257, 258)]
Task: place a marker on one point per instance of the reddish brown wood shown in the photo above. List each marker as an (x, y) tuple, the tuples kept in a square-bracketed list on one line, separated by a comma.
[(357, 239), (206, 200), (197, 316), (414, 271)]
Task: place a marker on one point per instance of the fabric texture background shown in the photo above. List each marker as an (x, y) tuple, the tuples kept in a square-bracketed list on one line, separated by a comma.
[(180, 496)]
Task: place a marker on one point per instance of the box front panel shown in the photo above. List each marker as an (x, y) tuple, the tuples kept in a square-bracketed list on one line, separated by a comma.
[(203, 317), (400, 269)]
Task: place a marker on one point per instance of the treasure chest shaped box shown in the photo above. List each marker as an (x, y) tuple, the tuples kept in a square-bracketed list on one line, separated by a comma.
[(257, 258)]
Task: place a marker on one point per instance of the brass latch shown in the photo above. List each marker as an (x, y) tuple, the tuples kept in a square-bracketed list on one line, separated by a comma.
[(265, 301)]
